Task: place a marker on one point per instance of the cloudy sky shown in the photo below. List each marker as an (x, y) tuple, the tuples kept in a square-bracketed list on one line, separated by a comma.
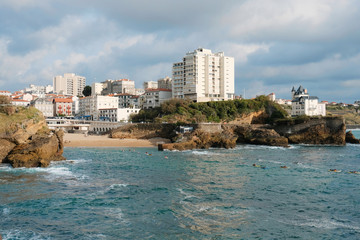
[(276, 44)]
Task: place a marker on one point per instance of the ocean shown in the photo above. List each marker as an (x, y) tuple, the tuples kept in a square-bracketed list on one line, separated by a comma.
[(141, 193)]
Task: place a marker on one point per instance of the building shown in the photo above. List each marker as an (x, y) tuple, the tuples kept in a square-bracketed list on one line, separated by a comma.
[(69, 84), (150, 84), (118, 86), (272, 97), (155, 97), (89, 106), (303, 104), (5, 93), (39, 90), (20, 102), (165, 83), (44, 105), (62, 106), (97, 88), (124, 99), (204, 76), (117, 114)]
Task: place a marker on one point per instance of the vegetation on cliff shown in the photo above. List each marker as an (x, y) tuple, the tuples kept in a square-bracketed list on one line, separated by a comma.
[(186, 111)]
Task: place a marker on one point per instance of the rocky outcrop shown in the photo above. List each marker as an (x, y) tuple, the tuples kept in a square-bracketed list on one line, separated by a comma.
[(144, 131), (350, 138), (38, 152), (200, 139), (26, 140), (260, 136), (327, 130)]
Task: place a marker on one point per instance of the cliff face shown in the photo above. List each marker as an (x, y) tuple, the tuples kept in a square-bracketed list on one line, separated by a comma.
[(329, 130), (25, 140)]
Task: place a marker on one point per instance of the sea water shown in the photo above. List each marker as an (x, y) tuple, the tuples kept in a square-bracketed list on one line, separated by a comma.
[(141, 193)]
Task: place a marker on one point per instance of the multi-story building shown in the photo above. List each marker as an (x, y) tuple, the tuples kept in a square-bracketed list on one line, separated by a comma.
[(150, 84), (97, 88), (165, 83), (69, 84), (303, 104), (62, 106), (124, 99), (155, 97), (89, 106), (45, 105), (204, 76), (39, 90), (119, 86), (117, 114), (5, 93)]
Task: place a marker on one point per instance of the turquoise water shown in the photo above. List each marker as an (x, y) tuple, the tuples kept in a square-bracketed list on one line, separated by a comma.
[(114, 193)]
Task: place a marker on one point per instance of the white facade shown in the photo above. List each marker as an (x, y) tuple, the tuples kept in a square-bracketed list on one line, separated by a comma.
[(303, 104), (150, 84), (155, 97), (20, 102), (117, 114), (165, 83), (204, 76), (89, 106), (39, 90), (45, 105), (96, 88), (69, 84), (5, 93), (118, 86)]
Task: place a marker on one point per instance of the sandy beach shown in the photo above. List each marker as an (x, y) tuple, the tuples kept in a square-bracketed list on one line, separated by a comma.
[(80, 140)]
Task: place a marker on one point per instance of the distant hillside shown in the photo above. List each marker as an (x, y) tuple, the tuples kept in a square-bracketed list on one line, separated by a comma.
[(185, 111), (351, 114)]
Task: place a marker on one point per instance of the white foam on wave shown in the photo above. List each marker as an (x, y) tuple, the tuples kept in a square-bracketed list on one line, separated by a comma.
[(114, 213), (325, 224), (6, 211), (18, 234), (187, 196), (257, 147), (118, 185)]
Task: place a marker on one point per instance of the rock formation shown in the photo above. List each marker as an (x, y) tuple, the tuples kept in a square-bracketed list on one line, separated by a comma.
[(25, 141), (350, 138)]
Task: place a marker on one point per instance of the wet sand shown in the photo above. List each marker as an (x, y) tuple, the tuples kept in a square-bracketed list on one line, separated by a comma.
[(80, 140)]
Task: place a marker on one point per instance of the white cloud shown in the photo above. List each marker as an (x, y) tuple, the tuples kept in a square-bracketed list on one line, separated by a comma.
[(241, 51), (354, 83)]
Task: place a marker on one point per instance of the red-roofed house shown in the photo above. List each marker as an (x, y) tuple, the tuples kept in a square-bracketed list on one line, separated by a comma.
[(62, 106), (5, 93)]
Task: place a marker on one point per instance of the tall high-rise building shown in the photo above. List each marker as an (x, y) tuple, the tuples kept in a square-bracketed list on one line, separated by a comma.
[(69, 84), (204, 76)]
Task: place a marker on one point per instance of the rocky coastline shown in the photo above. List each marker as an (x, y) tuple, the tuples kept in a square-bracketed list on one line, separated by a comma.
[(26, 141), (317, 131)]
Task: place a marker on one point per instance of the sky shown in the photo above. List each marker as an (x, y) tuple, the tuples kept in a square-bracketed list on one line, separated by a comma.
[(277, 44)]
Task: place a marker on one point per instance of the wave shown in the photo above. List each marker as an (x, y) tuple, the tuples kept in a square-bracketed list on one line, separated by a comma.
[(187, 196), (19, 234), (325, 223)]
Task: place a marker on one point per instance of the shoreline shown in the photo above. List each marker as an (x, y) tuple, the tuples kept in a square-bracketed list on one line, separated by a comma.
[(80, 140)]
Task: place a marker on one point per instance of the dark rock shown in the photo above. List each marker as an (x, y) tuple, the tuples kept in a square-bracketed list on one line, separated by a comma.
[(350, 138)]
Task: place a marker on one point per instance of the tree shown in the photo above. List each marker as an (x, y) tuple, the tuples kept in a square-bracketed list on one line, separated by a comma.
[(87, 91)]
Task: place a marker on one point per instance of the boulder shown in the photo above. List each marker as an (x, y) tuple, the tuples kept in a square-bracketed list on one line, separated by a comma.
[(260, 136), (5, 147), (38, 152), (350, 138)]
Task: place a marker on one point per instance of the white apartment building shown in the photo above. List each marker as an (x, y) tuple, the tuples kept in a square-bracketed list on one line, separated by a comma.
[(69, 84), (45, 105), (150, 84), (303, 104), (165, 83), (97, 88), (5, 93), (155, 97), (204, 76), (39, 90), (117, 114), (119, 86), (89, 106)]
